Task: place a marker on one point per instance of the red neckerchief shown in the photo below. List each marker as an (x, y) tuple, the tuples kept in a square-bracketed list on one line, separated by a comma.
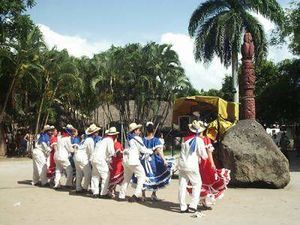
[(189, 136), (65, 134)]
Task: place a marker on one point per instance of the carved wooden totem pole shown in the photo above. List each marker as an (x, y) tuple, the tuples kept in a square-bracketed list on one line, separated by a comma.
[(247, 81)]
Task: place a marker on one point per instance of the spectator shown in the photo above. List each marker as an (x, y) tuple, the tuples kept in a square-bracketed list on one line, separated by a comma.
[(284, 144)]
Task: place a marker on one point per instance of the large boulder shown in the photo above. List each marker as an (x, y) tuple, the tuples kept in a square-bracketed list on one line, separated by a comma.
[(253, 158)]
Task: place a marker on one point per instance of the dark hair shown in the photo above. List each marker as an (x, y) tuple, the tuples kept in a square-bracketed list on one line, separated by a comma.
[(150, 128)]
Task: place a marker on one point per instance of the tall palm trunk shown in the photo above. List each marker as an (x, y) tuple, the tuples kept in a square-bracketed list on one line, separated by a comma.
[(46, 119), (40, 108), (235, 77)]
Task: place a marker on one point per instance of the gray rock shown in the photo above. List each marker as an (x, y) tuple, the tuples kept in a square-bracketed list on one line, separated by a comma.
[(253, 158)]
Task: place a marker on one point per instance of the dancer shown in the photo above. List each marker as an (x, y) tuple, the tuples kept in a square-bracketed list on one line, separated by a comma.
[(82, 158), (116, 168), (158, 172), (75, 140), (61, 156), (192, 148), (101, 158), (132, 164), (82, 166), (91, 139), (214, 181), (50, 160), (39, 156)]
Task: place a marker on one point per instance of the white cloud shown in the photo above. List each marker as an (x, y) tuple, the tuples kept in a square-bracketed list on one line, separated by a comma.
[(211, 76), (201, 76), (275, 53), (76, 45)]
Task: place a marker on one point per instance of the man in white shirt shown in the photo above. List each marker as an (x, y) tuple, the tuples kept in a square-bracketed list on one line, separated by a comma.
[(82, 159), (61, 157), (132, 164), (39, 156), (101, 158), (192, 149)]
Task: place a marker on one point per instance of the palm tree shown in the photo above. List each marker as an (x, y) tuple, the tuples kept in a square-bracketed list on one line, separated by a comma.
[(22, 56), (59, 79), (218, 27)]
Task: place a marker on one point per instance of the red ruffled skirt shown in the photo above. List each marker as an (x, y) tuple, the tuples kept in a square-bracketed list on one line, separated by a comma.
[(214, 182)]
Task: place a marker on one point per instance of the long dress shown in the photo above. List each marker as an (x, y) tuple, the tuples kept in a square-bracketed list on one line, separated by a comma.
[(214, 181), (157, 174), (51, 161), (116, 167)]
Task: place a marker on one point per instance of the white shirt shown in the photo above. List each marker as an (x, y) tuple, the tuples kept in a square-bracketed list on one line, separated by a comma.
[(133, 149), (189, 160), (64, 147), (81, 155), (43, 147), (89, 146), (103, 151)]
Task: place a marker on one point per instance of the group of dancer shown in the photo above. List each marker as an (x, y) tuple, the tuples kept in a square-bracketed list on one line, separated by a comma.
[(99, 164)]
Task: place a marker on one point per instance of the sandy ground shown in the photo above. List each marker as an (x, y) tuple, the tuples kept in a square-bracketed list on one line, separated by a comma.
[(21, 203)]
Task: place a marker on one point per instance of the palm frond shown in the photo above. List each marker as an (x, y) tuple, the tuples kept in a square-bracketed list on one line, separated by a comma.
[(203, 12)]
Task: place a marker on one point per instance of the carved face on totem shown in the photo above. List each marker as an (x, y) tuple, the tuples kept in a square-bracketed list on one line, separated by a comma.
[(248, 38)]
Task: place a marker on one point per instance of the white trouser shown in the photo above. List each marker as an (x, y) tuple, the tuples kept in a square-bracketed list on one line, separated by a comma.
[(139, 172), (83, 171), (100, 171), (39, 167), (195, 179), (62, 165)]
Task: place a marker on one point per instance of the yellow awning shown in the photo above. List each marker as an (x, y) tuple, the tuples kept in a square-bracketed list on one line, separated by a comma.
[(227, 112)]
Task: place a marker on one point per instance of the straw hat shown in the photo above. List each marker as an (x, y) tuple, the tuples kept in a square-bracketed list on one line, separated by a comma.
[(134, 126), (47, 128), (69, 127), (197, 126), (92, 129), (112, 131)]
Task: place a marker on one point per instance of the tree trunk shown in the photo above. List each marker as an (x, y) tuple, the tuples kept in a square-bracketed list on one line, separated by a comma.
[(40, 110), (46, 119), (235, 77), (3, 146), (11, 87)]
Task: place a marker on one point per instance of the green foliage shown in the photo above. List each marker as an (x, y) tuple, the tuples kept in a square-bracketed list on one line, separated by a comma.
[(146, 75), (290, 30), (278, 94), (225, 92)]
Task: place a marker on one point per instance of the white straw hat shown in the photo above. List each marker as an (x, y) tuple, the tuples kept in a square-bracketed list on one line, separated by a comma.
[(92, 129), (134, 126), (47, 128), (197, 126), (112, 131), (69, 127)]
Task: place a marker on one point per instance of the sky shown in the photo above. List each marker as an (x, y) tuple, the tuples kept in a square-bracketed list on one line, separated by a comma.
[(86, 27)]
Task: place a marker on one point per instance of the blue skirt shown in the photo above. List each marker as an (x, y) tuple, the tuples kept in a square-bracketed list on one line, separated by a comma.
[(157, 174)]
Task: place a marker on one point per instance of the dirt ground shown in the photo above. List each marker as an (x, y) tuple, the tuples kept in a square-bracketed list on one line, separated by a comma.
[(23, 204)]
